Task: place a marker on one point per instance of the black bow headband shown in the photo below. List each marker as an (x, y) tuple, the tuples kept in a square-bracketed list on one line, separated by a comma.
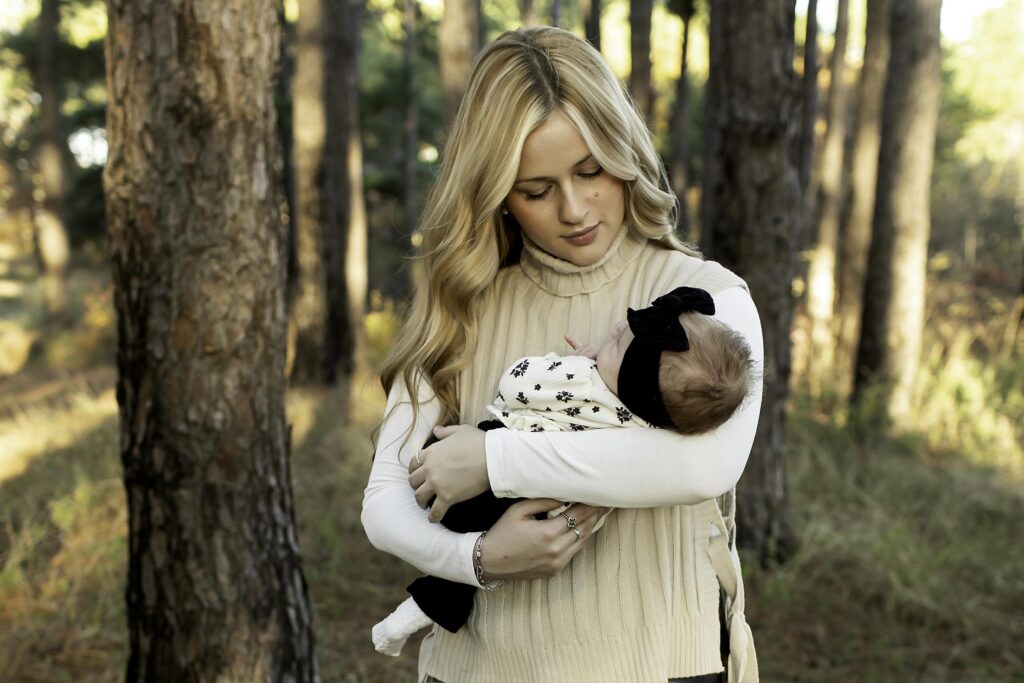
[(656, 329)]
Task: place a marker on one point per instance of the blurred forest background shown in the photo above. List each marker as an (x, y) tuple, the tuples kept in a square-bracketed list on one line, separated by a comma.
[(906, 563)]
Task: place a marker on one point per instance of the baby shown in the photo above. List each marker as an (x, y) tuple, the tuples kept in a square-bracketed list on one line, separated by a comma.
[(670, 366)]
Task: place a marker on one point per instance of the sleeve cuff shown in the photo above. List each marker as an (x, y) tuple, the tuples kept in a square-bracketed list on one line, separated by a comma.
[(467, 545), (495, 458)]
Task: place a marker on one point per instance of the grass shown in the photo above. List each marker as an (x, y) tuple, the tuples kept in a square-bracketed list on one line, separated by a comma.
[(909, 566)]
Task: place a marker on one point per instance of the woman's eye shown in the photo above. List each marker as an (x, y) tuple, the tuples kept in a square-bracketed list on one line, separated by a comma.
[(534, 197), (592, 174)]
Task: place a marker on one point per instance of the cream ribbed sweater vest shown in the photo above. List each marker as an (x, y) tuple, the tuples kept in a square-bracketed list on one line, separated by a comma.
[(640, 601)]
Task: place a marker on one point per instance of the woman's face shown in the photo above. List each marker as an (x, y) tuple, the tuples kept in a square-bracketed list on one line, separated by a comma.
[(564, 201)]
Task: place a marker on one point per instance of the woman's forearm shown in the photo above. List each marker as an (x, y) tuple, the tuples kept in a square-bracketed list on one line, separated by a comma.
[(391, 517), (635, 467)]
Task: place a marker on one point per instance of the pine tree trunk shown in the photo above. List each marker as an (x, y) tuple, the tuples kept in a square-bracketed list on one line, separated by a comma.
[(51, 236), (804, 149), (352, 358), (681, 134), (334, 189), (458, 43), (284, 134), (215, 585), (822, 273), (556, 12), (528, 12), (591, 10), (709, 132), (756, 213), (857, 214), (403, 238), (892, 323), (309, 117), (640, 86)]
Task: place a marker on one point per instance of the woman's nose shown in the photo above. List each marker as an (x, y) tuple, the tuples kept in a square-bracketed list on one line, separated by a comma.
[(571, 210)]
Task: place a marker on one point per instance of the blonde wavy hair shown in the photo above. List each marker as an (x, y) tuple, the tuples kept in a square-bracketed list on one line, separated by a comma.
[(516, 83)]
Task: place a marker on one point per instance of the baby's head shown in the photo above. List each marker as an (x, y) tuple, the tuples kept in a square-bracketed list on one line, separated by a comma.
[(690, 391)]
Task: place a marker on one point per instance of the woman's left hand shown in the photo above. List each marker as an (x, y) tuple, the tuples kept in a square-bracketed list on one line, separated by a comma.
[(450, 471)]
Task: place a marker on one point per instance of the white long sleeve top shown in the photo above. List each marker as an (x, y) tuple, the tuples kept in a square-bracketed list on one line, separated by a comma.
[(663, 480)]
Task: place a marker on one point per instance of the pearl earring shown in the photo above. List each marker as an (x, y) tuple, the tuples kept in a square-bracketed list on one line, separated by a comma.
[(504, 211)]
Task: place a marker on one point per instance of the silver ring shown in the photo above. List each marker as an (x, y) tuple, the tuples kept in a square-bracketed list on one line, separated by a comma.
[(417, 456), (577, 532), (571, 521)]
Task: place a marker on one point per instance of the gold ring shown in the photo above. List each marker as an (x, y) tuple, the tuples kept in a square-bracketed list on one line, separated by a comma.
[(571, 521)]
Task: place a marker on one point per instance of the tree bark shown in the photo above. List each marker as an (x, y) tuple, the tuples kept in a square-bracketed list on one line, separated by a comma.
[(458, 43), (592, 22), (804, 149), (857, 213), (347, 285), (556, 12), (215, 585), (709, 132), (640, 86), (822, 272), (756, 213), (284, 134), (309, 131), (892, 323), (403, 237), (54, 248), (681, 125)]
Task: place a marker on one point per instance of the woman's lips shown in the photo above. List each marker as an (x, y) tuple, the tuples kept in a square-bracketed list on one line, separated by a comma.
[(584, 238)]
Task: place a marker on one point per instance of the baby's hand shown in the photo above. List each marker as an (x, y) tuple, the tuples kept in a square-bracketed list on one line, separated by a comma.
[(587, 351)]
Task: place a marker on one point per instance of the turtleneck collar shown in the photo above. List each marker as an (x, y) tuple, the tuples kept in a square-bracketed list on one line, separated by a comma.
[(564, 278)]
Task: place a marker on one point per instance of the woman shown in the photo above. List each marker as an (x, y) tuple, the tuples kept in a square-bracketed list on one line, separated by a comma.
[(550, 217)]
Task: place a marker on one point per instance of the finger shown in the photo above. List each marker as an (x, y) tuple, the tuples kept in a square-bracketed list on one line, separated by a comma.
[(535, 506), (424, 494), (444, 431), (438, 510), (417, 478), (416, 461), (573, 344)]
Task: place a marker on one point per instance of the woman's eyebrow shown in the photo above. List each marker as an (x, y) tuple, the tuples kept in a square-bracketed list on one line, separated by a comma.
[(578, 163)]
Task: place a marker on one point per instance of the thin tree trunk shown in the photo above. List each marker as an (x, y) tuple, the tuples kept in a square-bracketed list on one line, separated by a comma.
[(822, 273), (458, 43), (681, 132), (309, 119), (284, 134), (640, 86), (892, 324), (403, 238), (756, 214), (712, 95), (857, 214), (592, 22), (355, 229), (556, 12), (804, 150), (51, 236), (528, 12), (215, 585)]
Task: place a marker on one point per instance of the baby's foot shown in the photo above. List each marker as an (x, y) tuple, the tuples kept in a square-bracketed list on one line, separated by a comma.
[(389, 635)]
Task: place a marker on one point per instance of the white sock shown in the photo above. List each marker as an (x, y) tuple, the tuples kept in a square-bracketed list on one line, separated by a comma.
[(390, 634)]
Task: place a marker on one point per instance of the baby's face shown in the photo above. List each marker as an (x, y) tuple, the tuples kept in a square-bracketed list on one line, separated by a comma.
[(609, 356)]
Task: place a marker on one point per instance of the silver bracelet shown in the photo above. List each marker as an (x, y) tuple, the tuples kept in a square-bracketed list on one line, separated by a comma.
[(478, 565)]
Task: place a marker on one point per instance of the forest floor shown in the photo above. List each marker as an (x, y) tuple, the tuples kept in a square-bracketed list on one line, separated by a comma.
[(908, 569)]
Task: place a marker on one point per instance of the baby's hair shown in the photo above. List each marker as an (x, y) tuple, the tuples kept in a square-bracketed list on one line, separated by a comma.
[(702, 387)]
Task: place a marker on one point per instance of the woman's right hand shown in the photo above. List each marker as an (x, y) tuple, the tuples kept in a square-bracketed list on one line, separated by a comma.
[(519, 546)]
